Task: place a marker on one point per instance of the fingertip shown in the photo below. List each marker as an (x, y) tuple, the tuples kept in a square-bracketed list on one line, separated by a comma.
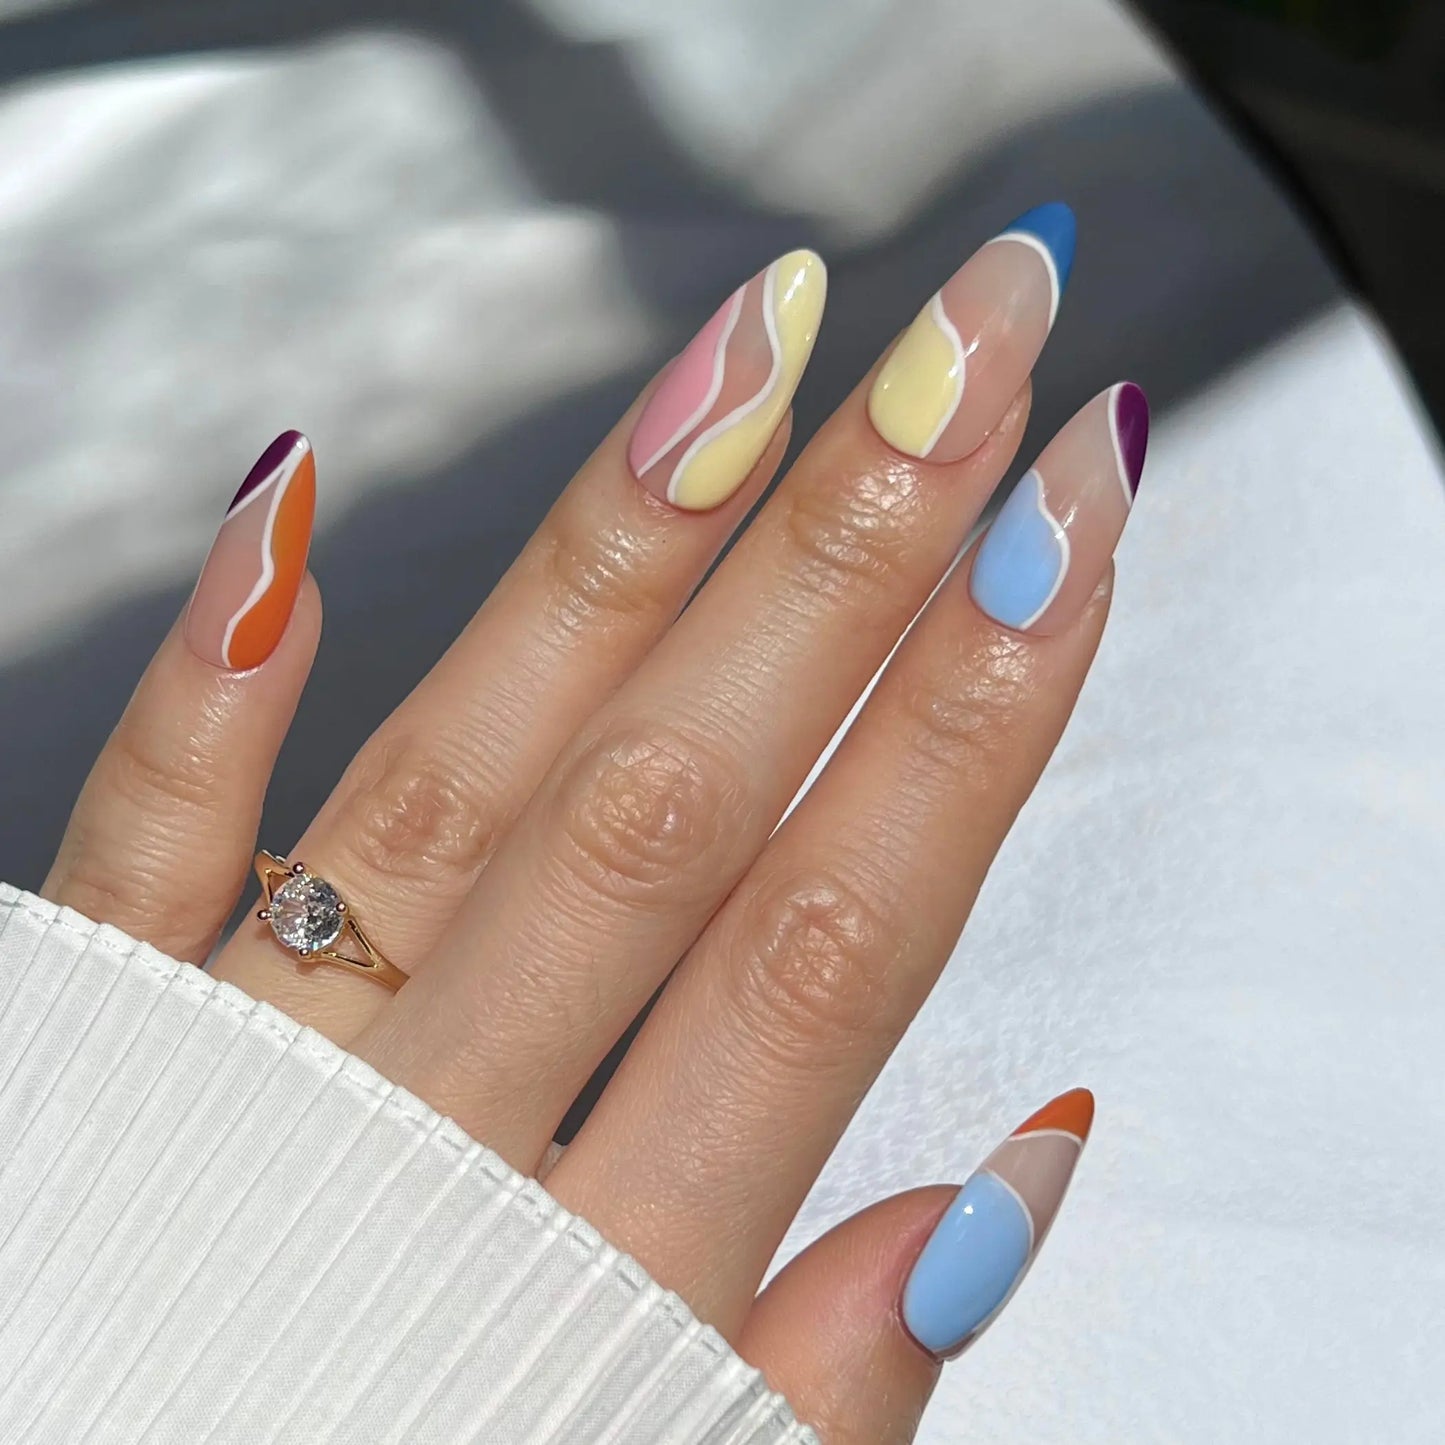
[(828, 1331), (1072, 1112), (308, 598), (247, 590)]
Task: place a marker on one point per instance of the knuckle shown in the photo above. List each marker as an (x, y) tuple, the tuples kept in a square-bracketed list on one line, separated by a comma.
[(157, 777), (962, 714), (598, 573), (642, 807), (129, 895), (152, 806), (812, 971), (414, 815), (862, 535), (133, 888)]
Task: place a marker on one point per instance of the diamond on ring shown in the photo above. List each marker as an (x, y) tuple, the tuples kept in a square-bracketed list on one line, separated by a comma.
[(307, 915)]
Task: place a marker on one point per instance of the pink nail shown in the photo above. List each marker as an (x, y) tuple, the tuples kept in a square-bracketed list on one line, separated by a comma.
[(720, 402)]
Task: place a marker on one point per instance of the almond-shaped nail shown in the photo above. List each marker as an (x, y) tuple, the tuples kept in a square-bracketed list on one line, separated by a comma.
[(248, 587), (983, 1245), (714, 412), (949, 381), (1046, 550)]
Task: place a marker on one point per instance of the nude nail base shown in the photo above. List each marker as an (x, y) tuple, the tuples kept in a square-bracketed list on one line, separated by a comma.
[(1044, 553), (248, 587)]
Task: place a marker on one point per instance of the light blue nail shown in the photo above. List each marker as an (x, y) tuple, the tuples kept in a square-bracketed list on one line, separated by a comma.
[(1022, 560), (1053, 226), (972, 1260)]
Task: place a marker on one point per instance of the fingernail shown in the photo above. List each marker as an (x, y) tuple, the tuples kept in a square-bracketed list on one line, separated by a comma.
[(1045, 551), (713, 414), (950, 379), (248, 586), (983, 1246)]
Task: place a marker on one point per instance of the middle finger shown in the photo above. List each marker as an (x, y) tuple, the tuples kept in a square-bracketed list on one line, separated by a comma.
[(650, 817)]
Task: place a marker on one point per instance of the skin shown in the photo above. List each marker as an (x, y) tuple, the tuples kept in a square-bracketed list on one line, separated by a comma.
[(585, 790)]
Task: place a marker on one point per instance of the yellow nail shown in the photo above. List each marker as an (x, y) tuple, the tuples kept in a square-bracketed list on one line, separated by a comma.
[(918, 390), (790, 307)]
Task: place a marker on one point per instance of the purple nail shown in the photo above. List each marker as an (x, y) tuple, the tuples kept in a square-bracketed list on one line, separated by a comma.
[(1131, 427), (269, 461)]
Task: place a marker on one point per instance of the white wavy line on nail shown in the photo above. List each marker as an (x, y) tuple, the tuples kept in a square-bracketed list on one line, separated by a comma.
[(279, 483), (1049, 1134), (1056, 291), (735, 307), (950, 333), (1120, 467), (1019, 1200), (738, 413), (1060, 536), (299, 448)]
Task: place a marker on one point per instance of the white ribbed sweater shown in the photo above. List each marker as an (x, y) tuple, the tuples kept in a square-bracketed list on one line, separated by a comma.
[(216, 1226)]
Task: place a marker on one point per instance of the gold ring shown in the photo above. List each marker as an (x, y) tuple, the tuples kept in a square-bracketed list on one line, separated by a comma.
[(310, 918)]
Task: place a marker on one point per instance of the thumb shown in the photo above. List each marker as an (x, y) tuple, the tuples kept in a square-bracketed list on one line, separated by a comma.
[(854, 1331)]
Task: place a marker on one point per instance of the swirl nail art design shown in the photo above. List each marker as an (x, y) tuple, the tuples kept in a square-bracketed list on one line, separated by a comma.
[(982, 1247), (951, 377), (248, 586), (719, 404), (1047, 548), (1029, 560)]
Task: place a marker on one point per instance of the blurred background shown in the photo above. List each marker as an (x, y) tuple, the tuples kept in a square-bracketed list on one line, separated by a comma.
[(1345, 102), (450, 241)]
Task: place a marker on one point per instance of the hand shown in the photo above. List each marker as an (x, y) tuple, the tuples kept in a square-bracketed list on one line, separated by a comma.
[(588, 787)]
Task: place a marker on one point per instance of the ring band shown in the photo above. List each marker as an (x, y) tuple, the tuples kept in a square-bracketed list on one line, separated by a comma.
[(309, 918)]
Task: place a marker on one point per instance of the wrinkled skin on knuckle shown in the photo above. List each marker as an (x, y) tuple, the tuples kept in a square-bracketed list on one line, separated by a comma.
[(161, 774), (810, 966), (600, 574), (644, 808), (413, 814), (130, 882), (135, 892), (961, 711), (861, 535), (164, 793)]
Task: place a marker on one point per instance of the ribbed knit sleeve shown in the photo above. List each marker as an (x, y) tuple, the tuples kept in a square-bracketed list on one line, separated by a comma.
[(216, 1226)]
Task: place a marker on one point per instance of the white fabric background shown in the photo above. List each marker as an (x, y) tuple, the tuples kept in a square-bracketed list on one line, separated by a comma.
[(1222, 911)]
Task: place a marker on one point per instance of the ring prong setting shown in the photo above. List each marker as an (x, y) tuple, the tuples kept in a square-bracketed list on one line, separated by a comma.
[(309, 917), (305, 912)]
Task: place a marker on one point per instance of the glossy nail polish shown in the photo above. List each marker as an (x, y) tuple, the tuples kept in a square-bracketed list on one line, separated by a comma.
[(983, 1246), (714, 412), (1047, 548), (248, 586), (951, 377)]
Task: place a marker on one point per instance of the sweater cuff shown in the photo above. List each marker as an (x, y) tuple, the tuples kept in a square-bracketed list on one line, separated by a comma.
[(217, 1226)]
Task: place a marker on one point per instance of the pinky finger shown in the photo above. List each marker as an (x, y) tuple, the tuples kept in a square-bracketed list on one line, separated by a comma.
[(854, 1331), (160, 841)]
